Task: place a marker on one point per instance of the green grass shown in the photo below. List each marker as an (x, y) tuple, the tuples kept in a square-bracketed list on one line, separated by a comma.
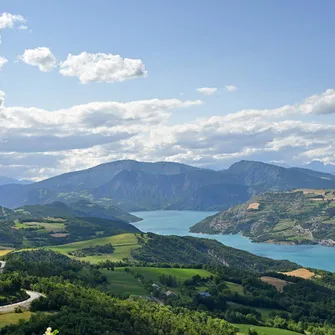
[(49, 227), (122, 283), (181, 274), (122, 243), (235, 287), (4, 252), (12, 318), (264, 330)]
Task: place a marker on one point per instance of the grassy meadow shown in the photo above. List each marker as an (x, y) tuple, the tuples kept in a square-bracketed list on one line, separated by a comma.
[(181, 274), (13, 318), (122, 243), (121, 282)]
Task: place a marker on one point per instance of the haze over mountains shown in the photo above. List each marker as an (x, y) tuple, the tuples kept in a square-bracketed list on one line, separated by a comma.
[(7, 180), (133, 185)]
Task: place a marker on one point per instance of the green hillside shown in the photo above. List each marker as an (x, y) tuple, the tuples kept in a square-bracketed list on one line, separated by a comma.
[(302, 216), (82, 208), (37, 232)]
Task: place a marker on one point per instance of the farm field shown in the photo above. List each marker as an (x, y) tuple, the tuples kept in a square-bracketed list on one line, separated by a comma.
[(55, 227), (279, 284), (12, 318), (4, 252), (264, 330), (123, 283), (181, 274), (122, 243), (301, 273)]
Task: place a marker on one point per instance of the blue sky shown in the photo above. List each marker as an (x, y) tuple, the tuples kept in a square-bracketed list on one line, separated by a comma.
[(275, 53)]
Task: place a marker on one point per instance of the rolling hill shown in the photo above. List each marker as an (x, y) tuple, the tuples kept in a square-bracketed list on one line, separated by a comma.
[(305, 216), (133, 185)]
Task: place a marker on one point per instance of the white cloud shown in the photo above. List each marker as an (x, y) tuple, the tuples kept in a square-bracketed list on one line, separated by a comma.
[(102, 67), (3, 61), (2, 97), (90, 134), (10, 21), (41, 57), (207, 90), (231, 88)]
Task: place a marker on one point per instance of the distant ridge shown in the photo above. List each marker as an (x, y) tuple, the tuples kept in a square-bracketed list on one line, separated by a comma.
[(134, 186)]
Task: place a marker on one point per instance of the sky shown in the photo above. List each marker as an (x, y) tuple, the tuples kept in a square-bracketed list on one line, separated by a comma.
[(205, 83)]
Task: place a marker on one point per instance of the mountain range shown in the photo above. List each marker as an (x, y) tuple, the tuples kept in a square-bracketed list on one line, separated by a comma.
[(135, 186), (7, 180)]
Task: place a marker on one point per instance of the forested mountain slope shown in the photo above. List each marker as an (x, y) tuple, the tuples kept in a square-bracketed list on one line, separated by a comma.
[(133, 185)]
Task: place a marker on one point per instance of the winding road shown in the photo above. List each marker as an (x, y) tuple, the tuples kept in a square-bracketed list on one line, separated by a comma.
[(25, 304)]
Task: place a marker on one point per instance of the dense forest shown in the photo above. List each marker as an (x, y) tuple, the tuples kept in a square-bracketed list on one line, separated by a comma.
[(191, 250)]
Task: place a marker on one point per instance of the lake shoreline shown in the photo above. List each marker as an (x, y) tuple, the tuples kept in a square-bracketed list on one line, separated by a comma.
[(178, 223)]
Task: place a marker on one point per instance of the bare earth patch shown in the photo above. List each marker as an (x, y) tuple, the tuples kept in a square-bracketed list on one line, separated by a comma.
[(279, 284), (301, 273), (254, 205)]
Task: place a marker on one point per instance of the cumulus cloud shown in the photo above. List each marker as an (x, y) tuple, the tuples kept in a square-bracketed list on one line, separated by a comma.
[(41, 57), (3, 61), (231, 88), (11, 21), (207, 90), (102, 67)]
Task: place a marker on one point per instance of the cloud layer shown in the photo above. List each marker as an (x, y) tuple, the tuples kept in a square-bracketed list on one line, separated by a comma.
[(39, 143), (102, 67)]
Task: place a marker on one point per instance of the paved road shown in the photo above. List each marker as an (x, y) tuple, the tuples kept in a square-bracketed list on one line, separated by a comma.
[(2, 266), (25, 304)]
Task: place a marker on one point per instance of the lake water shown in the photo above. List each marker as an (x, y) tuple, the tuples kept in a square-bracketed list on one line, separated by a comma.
[(178, 223)]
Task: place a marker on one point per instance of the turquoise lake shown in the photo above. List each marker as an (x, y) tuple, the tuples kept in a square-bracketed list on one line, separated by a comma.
[(178, 223)]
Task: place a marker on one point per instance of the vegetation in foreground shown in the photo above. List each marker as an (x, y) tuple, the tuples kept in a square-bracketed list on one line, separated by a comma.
[(304, 216), (204, 300)]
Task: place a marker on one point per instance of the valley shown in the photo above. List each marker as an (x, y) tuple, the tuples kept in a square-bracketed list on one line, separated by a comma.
[(95, 250)]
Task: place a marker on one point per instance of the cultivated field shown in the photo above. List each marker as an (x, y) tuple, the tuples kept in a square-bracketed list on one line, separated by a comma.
[(279, 284), (4, 252), (122, 243), (254, 205), (301, 273)]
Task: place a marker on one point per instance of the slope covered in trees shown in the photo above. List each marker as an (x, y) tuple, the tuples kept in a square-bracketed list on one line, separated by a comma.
[(302, 216)]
